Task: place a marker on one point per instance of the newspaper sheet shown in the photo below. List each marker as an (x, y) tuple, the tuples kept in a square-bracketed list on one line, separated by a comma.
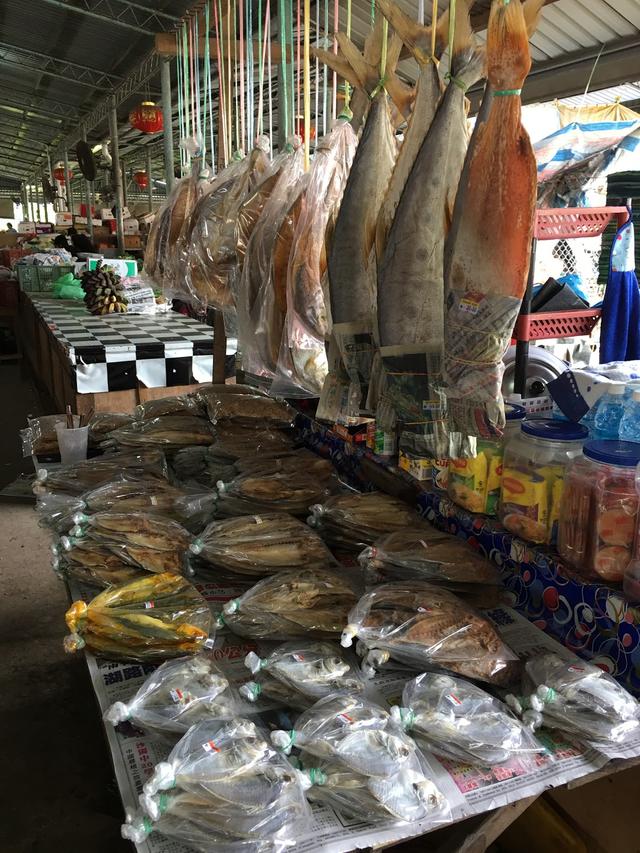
[(470, 790)]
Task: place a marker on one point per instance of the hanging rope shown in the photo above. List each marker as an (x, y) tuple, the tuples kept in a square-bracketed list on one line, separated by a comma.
[(452, 32), (208, 92), (242, 87), (222, 116), (261, 54), (267, 36), (307, 82), (229, 81), (317, 76), (283, 108), (298, 67), (180, 103), (250, 76), (325, 74), (292, 76), (335, 50), (434, 28), (347, 87)]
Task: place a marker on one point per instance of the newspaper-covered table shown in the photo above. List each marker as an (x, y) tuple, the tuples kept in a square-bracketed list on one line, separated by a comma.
[(470, 790)]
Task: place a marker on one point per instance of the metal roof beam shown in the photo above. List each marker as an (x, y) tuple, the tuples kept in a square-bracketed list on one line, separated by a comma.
[(122, 13), (43, 133), (25, 113), (71, 72), (5, 158), (35, 112), (44, 102)]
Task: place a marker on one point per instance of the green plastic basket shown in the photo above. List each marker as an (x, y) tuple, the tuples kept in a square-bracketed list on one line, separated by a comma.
[(34, 279)]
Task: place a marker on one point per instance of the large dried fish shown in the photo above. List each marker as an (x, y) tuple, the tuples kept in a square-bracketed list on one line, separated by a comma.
[(284, 491), (83, 476), (261, 545), (102, 423), (161, 534), (249, 410), (487, 276), (168, 431), (184, 404)]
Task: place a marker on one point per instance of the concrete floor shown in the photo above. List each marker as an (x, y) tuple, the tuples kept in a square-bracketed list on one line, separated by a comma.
[(59, 789)]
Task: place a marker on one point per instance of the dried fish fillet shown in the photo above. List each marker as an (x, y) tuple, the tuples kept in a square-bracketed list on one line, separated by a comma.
[(250, 493), (169, 431), (253, 410), (180, 405), (83, 476)]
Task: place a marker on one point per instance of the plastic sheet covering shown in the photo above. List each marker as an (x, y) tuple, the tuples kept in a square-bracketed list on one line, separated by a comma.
[(409, 795), (259, 545), (160, 616), (262, 296), (460, 721), (212, 263), (183, 404), (315, 669), (427, 627), (227, 776), (302, 362), (255, 410), (255, 493), (102, 423), (99, 565), (169, 432), (295, 462), (177, 695), (428, 555), (236, 441), (576, 697), (40, 437), (298, 603), (356, 520), (82, 476)]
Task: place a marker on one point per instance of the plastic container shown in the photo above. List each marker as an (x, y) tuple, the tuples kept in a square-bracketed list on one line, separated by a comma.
[(474, 484), (72, 443), (598, 527), (630, 423), (610, 411), (534, 465)]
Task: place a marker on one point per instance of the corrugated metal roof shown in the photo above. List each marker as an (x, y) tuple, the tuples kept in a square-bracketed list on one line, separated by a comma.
[(624, 94)]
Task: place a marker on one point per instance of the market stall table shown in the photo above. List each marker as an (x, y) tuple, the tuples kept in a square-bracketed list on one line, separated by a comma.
[(114, 362)]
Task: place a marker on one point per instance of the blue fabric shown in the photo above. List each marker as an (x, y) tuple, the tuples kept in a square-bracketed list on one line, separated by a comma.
[(620, 331)]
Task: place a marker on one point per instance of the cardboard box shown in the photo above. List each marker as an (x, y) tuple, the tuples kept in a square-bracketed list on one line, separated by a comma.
[(130, 226), (106, 213), (64, 218), (82, 220), (419, 468), (26, 228), (44, 228), (132, 241)]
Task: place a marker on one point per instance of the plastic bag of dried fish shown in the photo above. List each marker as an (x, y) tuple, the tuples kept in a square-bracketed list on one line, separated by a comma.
[(299, 603), (56, 510), (259, 545), (284, 491), (427, 627), (183, 404), (355, 520), (313, 669), (83, 476), (234, 442), (159, 616), (177, 695), (169, 432), (253, 410), (99, 565), (102, 423), (426, 554), (576, 697), (460, 721), (229, 776), (296, 462), (264, 686)]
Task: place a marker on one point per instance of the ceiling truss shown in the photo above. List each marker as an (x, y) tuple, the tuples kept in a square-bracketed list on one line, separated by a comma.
[(61, 69), (133, 16)]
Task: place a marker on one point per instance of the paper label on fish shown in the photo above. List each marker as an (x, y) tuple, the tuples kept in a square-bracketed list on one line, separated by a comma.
[(149, 605), (208, 643), (297, 657), (470, 303), (210, 746), (345, 719), (176, 696), (453, 699)]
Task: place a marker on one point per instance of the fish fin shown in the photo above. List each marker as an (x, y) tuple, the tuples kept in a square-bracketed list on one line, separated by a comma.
[(532, 11), (508, 54), (401, 94), (373, 44), (470, 65), (338, 64), (394, 48), (463, 34), (360, 67), (416, 37)]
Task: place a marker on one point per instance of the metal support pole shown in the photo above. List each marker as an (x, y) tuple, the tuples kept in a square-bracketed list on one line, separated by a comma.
[(117, 174), (38, 191), (167, 118), (24, 202), (522, 346), (88, 193), (56, 202), (67, 182), (31, 202), (149, 179), (123, 169)]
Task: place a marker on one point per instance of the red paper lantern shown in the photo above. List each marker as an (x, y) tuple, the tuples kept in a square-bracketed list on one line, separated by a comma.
[(146, 117), (141, 179), (58, 174)]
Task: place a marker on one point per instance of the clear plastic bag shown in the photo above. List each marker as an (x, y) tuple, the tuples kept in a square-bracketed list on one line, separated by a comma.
[(236, 441), (102, 423), (409, 795), (40, 437), (253, 410), (263, 686), (233, 779), (427, 627), (261, 296), (300, 603), (211, 268), (91, 473), (166, 231), (295, 462), (356, 520), (179, 694), (302, 362), (89, 562), (576, 697), (159, 616), (259, 545), (257, 493), (427, 555), (56, 510), (183, 404), (169, 432), (315, 669), (460, 721)]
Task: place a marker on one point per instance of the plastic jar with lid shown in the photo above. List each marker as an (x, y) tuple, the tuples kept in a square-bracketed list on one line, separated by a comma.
[(475, 483), (599, 518), (533, 470)]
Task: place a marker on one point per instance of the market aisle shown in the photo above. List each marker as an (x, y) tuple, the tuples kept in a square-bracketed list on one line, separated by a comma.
[(58, 777)]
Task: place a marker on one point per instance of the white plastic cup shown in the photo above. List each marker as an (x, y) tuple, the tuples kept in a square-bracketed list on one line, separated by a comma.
[(72, 443)]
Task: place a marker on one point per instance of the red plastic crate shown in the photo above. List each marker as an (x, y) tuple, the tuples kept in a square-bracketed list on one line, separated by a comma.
[(563, 223), (9, 256), (546, 325)]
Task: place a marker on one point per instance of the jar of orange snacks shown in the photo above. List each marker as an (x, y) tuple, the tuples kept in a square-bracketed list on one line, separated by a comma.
[(599, 517)]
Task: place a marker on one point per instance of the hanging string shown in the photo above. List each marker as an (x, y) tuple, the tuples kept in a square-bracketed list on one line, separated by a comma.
[(196, 60), (180, 104), (267, 36), (317, 77), (298, 67), (208, 116), (234, 84), (292, 75), (307, 82), (372, 14), (222, 117), (335, 50), (261, 49), (283, 108), (347, 87), (434, 27), (250, 79), (421, 12), (325, 75), (192, 80), (187, 89), (242, 87), (452, 32), (229, 83)]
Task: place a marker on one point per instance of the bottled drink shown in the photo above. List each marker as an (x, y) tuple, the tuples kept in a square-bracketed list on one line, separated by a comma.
[(630, 423), (610, 412)]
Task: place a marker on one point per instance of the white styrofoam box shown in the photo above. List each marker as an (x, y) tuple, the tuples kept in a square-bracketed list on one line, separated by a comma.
[(26, 227), (64, 218), (131, 226), (106, 213)]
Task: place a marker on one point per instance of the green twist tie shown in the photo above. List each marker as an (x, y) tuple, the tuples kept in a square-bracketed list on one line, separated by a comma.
[(346, 113), (378, 88), (550, 695), (163, 803), (238, 155), (503, 93), (220, 623), (292, 737), (317, 776), (407, 717), (456, 81), (147, 823)]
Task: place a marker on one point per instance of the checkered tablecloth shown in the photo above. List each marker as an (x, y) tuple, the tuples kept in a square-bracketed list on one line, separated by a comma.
[(116, 353)]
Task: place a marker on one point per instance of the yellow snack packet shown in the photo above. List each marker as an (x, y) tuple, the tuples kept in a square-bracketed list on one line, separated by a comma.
[(525, 505)]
